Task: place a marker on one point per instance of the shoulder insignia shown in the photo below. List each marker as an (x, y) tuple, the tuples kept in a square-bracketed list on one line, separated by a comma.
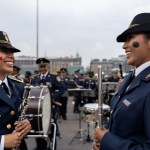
[(35, 75), (15, 79), (148, 76), (58, 79)]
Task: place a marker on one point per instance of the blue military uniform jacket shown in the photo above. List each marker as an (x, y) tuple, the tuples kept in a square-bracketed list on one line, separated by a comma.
[(89, 84), (129, 123), (9, 106), (65, 82), (78, 81), (54, 83)]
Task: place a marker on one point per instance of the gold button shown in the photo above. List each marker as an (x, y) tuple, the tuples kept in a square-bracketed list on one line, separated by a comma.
[(8, 126), (12, 113)]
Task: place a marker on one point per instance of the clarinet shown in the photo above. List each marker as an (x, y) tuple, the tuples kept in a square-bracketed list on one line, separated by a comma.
[(23, 106)]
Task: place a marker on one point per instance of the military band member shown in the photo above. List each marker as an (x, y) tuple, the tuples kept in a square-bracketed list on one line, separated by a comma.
[(76, 79), (45, 78), (16, 72), (11, 96), (56, 87), (27, 78), (90, 83), (129, 123), (114, 76), (64, 97)]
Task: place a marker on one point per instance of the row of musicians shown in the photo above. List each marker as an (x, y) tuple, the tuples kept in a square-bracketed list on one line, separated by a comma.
[(59, 84)]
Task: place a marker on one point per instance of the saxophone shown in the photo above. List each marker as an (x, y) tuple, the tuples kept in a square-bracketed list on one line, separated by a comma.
[(23, 106)]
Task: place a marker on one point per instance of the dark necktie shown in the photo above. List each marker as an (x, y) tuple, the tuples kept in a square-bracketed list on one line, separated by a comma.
[(4, 86), (43, 77), (42, 80), (132, 76)]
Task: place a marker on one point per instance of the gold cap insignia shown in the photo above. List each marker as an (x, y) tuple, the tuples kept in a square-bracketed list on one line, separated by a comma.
[(5, 40), (133, 25)]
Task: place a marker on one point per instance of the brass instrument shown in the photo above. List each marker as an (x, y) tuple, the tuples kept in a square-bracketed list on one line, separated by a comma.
[(24, 105)]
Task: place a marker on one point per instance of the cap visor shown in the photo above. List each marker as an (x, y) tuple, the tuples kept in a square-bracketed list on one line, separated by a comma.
[(10, 47), (138, 29)]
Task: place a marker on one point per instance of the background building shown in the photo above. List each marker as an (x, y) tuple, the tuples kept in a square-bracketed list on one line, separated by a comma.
[(109, 64), (27, 63)]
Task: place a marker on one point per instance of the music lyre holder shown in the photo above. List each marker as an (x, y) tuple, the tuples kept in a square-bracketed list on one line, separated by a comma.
[(80, 133), (108, 88)]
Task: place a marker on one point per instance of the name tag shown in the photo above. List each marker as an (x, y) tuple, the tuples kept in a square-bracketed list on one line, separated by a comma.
[(126, 102)]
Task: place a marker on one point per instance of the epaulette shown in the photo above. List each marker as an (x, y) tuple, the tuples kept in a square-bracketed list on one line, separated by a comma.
[(148, 76), (35, 75), (15, 79)]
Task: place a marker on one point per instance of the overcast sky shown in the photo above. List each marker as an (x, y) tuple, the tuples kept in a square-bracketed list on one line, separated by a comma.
[(89, 27)]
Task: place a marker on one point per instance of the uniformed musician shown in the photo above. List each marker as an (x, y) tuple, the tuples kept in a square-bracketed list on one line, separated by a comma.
[(114, 76), (11, 96), (90, 83), (64, 97), (16, 72), (56, 87), (46, 78), (27, 78), (76, 79), (129, 124)]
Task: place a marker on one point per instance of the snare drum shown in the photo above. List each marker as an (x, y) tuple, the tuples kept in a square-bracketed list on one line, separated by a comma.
[(39, 110), (90, 112)]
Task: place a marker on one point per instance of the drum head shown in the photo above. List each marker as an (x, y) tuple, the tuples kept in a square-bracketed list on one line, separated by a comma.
[(46, 111), (94, 107), (39, 110), (91, 106)]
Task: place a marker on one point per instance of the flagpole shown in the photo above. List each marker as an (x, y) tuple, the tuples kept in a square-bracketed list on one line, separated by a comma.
[(37, 30)]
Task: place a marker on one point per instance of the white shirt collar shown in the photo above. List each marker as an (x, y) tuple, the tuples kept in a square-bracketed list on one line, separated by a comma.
[(141, 68), (5, 81), (44, 75)]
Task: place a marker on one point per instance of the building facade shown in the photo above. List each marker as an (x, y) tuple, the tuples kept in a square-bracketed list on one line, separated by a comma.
[(27, 63)]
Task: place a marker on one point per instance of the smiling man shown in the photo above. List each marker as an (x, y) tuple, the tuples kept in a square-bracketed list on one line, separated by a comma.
[(129, 123), (11, 96)]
